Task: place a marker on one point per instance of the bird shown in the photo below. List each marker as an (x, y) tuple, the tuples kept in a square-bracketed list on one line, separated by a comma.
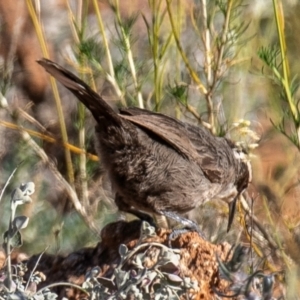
[(158, 164)]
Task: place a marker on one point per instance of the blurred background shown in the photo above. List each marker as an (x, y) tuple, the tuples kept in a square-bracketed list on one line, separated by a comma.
[(231, 66)]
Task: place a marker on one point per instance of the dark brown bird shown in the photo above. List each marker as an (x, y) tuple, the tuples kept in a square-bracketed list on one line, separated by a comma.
[(158, 164)]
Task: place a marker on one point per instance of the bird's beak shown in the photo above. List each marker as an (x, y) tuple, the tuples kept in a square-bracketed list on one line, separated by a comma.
[(231, 207)]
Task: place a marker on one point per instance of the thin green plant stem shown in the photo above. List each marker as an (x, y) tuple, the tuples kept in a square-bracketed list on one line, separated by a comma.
[(111, 74), (72, 22), (105, 41), (82, 143), (207, 43), (155, 49), (223, 42), (177, 56), (129, 56), (216, 74), (155, 52), (78, 22), (179, 16), (158, 49), (278, 11), (192, 72), (82, 156), (79, 12), (208, 69), (63, 129), (194, 76)]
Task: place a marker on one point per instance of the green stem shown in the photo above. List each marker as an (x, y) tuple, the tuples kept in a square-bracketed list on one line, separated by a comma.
[(128, 50), (278, 11), (63, 128), (111, 74), (192, 72)]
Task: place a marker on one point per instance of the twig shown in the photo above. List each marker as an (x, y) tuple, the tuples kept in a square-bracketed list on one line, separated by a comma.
[(61, 181), (34, 268), (61, 284), (9, 179), (256, 222)]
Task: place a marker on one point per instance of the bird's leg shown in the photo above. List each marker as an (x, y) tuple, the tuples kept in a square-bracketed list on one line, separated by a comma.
[(128, 209), (188, 225)]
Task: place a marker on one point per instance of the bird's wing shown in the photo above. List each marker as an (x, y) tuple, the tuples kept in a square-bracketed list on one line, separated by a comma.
[(193, 142), (167, 130), (216, 154)]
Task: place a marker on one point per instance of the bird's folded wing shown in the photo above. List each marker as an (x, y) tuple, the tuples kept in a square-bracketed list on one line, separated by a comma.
[(174, 136), (188, 140), (215, 153)]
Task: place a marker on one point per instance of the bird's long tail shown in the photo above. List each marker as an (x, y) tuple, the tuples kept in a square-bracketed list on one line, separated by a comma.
[(94, 102)]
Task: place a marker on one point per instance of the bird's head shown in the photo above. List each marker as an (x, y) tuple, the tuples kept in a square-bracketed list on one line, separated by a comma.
[(242, 178), (243, 169)]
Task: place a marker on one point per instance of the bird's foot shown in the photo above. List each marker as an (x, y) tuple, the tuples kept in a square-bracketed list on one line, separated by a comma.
[(188, 226), (179, 231)]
